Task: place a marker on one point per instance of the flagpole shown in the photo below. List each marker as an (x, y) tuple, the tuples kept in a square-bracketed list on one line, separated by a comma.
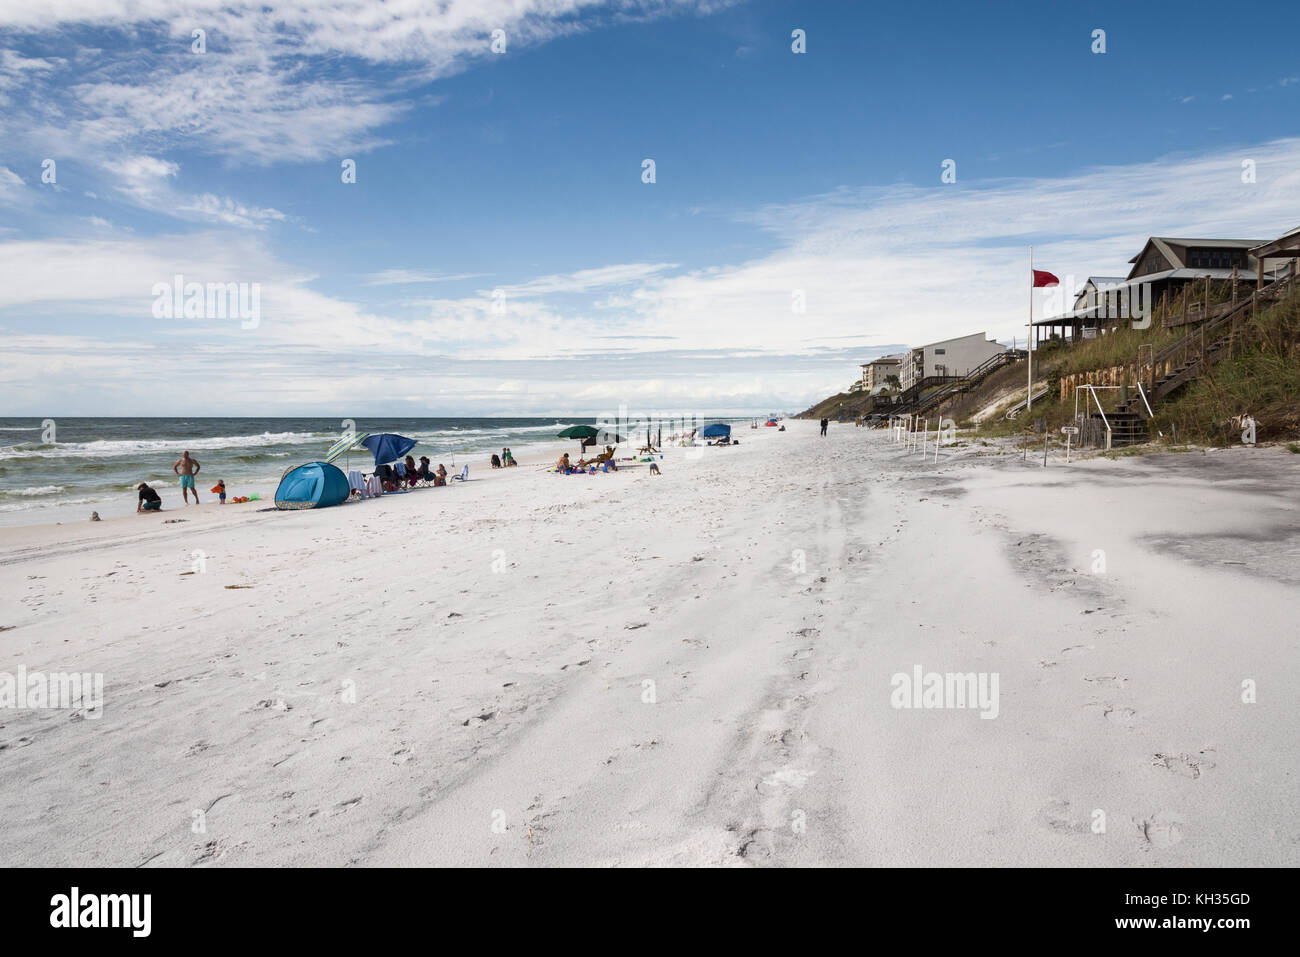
[(1029, 339)]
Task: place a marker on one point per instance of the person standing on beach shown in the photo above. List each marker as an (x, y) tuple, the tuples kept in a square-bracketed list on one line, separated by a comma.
[(825, 422), (187, 468)]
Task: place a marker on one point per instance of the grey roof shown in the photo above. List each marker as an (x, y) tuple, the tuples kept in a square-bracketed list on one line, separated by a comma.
[(1162, 243), (1100, 280), (1199, 272), (1098, 311), (1231, 243), (1282, 242)]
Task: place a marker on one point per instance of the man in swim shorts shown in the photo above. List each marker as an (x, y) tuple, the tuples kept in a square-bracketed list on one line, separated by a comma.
[(187, 468)]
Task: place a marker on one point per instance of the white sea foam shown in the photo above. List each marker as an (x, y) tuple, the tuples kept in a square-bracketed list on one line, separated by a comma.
[(55, 503), (33, 490), (109, 448)]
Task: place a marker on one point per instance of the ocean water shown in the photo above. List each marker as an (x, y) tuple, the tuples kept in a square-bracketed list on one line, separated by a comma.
[(93, 464)]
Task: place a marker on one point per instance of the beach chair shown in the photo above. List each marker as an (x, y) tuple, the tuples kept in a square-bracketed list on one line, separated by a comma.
[(462, 477), (598, 461)]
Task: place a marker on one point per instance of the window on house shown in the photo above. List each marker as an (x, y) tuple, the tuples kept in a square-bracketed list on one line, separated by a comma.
[(940, 352)]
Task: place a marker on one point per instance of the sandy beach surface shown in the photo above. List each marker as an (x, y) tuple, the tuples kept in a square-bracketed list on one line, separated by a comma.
[(691, 669)]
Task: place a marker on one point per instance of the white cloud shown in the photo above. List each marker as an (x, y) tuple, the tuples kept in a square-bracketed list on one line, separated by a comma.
[(13, 62), (11, 185), (257, 95), (398, 277), (223, 209), (140, 169), (145, 182), (877, 267), (586, 280)]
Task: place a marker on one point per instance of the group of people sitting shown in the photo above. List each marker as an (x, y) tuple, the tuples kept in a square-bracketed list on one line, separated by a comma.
[(504, 460), (605, 459), (407, 474)]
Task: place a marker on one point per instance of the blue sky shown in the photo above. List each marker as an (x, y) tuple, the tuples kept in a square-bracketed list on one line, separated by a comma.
[(499, 252)]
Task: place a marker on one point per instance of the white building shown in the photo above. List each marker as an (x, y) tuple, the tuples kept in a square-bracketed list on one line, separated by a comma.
[(875, 372), (951, 357)]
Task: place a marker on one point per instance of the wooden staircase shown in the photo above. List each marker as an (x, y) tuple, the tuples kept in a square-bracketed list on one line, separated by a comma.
[(908, 400), (971, 379), (934, 390), (1180, 362), (1128, 424)]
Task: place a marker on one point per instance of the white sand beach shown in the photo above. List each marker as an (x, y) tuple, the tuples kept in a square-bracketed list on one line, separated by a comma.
[(689, 669)]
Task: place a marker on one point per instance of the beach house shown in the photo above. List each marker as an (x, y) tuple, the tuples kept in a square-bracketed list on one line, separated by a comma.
[(1162, 271), (1279, 258), (875, 372), (950, 357)]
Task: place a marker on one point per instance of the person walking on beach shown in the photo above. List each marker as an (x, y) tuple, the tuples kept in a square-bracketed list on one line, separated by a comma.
[(187, 468), (825, 422)]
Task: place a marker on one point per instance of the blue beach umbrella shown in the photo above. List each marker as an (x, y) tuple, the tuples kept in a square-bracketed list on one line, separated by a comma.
[(388, 447), (716, 431)]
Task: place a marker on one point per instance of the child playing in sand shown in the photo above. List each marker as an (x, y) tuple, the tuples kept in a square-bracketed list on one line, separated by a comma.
[(219, 490)]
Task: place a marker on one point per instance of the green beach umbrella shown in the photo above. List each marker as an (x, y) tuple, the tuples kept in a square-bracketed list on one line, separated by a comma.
[(345, 444), (585, 434)]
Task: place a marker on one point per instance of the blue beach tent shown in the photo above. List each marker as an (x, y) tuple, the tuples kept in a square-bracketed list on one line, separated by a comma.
[(716, 431), (314, 485), (387, 446)]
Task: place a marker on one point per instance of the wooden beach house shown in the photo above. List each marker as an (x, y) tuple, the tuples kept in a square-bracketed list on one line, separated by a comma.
[(1171, 276)]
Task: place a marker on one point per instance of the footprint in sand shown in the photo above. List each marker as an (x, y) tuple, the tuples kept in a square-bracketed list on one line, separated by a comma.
[(1107, 681), (787, 779), (1125, 717), (212, 851), (1115, 714), (1186, 765), (1160, 830), (1061, 817)]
